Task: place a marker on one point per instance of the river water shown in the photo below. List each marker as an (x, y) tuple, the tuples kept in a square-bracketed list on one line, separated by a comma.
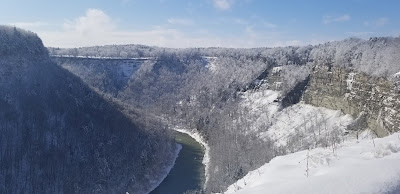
[(188, 171)]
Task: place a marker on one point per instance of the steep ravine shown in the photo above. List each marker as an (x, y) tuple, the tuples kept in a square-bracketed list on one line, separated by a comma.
[(371, 101)]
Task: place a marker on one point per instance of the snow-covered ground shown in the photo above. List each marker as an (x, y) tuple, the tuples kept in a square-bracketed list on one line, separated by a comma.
[(261, 101), (196, 136), (308, 122), (301, 123), (357, 166), (259, 107), (352, 166)]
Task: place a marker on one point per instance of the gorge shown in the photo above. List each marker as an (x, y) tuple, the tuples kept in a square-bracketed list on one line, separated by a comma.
[(101, 119)]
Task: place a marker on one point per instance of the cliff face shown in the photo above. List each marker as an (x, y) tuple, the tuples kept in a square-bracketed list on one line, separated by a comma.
[(373, 100)]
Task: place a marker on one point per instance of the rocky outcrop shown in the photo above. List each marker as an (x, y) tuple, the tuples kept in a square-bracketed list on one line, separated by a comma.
[(374, 102), (356, 94)]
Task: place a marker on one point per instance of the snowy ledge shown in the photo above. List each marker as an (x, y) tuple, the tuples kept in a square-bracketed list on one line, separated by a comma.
[(365, 166), (167, 169), (196, 136)]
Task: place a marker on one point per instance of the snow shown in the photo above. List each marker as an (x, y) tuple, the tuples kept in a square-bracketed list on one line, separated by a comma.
[(212, 67), (308, 120), (350, 80), (196, 136), (265, 116), (353, 166), (276, 70), (211, 63), (260, 107), (259, 100), (364, 166), (156, 183)]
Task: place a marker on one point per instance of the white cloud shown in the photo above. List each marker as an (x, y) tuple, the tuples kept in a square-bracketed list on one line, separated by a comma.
[(377, 23), (98, 28), (95, 27), (223, 4), (180, 21), (331, 19), (94, 22)]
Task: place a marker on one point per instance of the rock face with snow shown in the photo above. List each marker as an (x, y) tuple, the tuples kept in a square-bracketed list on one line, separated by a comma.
[(373, 101), (356, 94)]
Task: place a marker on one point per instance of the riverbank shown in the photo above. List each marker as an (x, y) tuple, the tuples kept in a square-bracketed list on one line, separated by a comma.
[(196, 136), (167, 169), (188, 173)]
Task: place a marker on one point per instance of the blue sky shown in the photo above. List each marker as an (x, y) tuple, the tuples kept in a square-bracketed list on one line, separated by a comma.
[(201, 23)]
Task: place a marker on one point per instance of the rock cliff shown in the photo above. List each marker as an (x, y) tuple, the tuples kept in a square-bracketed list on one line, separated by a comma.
[(372, 99)]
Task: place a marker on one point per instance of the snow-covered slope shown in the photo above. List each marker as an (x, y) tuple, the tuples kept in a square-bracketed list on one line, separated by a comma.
[(336, 162), (261, 104), (295, 128), (312, 124), (364, 166)]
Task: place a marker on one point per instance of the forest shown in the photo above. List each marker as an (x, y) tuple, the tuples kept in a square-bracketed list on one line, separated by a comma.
[(205, 89), (60, 136), (101, 119)]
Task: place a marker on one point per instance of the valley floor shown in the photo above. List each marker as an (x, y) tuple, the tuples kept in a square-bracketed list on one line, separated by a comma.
[(356, 166)]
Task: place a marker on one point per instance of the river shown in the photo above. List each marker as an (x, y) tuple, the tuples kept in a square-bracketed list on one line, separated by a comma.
[(188, 171)]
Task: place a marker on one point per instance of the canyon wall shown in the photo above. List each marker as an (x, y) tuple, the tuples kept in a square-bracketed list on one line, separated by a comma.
[(374, 101)]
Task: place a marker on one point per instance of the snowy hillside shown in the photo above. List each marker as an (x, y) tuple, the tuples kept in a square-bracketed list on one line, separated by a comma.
[(336, 163), (314, 124), (365, 166), (252, 105), (295, 128)]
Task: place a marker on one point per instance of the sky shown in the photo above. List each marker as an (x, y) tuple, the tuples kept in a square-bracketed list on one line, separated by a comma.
[(201, 23)]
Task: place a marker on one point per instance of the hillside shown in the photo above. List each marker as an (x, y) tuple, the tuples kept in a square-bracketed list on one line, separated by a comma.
[(252, 105), (365, 166), (59, 136), (200, 97)]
